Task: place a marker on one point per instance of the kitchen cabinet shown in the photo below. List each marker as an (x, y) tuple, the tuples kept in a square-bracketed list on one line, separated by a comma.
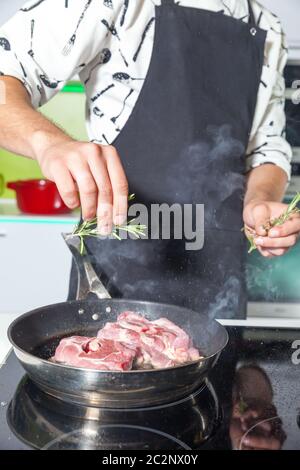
[(35, 262)]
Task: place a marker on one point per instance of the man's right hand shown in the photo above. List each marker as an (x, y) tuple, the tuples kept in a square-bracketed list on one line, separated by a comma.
[(85, 173), (89, 175)]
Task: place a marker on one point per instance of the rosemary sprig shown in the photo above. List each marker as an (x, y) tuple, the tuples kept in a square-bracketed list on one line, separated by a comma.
[(291, 210), (284, 217), (250, 234), (88, 228)]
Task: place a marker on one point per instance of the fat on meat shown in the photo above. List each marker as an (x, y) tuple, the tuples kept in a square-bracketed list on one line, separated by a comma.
[(159, 343), (93, 353)]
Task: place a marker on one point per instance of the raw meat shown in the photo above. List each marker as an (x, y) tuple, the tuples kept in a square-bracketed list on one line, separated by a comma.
[(158, 343), (93, 353), (130, 342)]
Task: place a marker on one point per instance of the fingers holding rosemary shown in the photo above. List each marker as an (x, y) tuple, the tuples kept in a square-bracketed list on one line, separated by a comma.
[(261, 215), (104, 196), (272, 227), (90, 175), (276, 246), (290, 227), (86, 185), (119, 184), (279, 239), (66, 186)]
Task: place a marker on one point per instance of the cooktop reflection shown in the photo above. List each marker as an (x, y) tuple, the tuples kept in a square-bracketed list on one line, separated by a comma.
[(44, 422)]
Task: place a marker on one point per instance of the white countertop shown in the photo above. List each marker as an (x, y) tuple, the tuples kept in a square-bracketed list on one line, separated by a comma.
[(7, 318), (9, 212)]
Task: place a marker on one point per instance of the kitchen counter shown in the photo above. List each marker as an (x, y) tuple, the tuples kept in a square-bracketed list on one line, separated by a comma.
[(31, 249), (9, 212), (5, 320)]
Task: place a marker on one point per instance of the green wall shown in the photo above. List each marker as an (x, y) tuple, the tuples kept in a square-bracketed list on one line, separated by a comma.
[(276, 279), (66, 109)]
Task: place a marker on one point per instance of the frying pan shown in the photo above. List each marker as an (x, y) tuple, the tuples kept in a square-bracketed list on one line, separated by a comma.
[(36, 334)]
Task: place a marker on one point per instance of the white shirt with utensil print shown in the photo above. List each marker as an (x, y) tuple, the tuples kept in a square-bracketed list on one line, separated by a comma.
[(109, 44)]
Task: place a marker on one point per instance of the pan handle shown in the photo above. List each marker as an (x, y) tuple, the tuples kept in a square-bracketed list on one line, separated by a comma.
[(88, 281)]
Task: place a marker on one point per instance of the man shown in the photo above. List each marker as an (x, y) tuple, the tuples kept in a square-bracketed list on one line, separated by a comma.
[(184, 105)]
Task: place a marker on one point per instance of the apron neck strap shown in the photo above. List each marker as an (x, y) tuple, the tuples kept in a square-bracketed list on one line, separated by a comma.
[(252, 21)]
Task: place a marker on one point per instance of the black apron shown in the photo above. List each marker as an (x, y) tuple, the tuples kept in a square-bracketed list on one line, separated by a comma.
[(185, 143)]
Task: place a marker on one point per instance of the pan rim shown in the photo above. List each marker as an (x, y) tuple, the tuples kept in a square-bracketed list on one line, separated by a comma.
[(101, 372)]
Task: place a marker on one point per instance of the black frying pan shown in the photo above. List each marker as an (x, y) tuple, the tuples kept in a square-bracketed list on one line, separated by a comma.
[(36, 334)]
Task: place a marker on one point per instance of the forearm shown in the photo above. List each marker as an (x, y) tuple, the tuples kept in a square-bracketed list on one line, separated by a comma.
[(83, 172), (265, 183), (23, 130)]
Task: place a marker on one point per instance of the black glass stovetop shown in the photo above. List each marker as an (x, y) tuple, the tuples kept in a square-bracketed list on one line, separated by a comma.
[(251, 401)]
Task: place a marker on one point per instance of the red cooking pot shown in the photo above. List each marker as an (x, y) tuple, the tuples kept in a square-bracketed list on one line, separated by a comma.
[(38, 197)]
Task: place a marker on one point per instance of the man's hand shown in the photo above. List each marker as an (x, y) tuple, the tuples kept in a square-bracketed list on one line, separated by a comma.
[(90, 175), (277, 240), (85, 173)]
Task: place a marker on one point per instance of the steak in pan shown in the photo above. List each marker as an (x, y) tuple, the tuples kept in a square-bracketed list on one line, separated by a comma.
[(130, 342)]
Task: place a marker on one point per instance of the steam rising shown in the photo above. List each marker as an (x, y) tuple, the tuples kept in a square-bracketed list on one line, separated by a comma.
[(260, 279), (227, 300), (209, 172), (207, 161)]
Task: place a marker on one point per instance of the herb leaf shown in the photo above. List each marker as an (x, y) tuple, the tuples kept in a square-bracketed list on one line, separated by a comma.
[(88, 228), (284, 217)]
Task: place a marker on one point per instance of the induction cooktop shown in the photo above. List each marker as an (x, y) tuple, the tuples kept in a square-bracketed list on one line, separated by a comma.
[(250, 401)]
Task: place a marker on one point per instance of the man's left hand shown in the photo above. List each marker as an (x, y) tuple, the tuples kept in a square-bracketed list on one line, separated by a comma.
[(279, 239)]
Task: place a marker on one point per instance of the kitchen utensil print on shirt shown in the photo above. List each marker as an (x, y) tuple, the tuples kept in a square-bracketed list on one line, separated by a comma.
[(111, 28), (69, 46), (146, 30), (30, 52), (98, 112), (41, 92), (115, 118), (123, 77), (258, 150), (131, 57), (104, 57), (21, 66), (108, 3), (100, 141), (5, 44), (31, 7), (48, 82), (125, 9), (123, 57), (97, 96)]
